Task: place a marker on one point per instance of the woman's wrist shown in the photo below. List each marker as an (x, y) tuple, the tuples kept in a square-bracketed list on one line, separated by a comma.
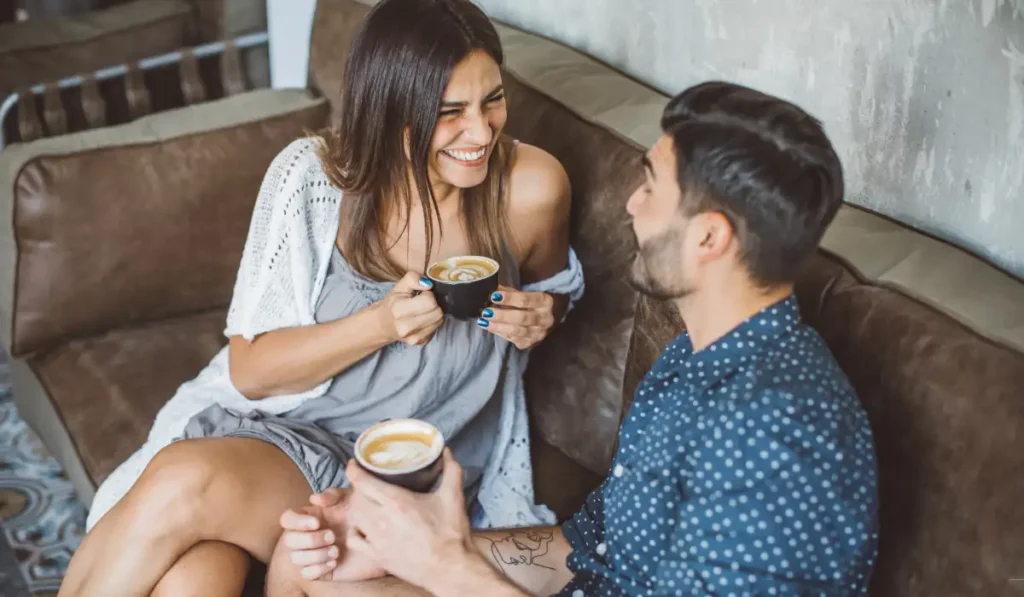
[(378, 325)]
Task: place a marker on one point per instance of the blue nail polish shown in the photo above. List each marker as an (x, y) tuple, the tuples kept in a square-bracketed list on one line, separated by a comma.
[(496, 297), (488, 313), (426, 282), (482, 322)]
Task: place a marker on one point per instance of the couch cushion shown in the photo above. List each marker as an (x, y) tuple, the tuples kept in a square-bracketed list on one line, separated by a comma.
[(334, 28), (45, 50), (135, 223), (560, 482), (574, 383), (108, 388), (947, 411)]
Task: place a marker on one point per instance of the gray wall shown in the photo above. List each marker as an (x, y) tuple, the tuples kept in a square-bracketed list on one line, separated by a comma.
[(924, 99)]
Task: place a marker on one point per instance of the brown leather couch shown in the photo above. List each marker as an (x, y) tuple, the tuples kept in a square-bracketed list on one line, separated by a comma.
[(120, 248)]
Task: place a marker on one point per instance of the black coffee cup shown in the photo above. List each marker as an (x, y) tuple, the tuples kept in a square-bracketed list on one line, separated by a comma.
[(463, 285), (391, 451)]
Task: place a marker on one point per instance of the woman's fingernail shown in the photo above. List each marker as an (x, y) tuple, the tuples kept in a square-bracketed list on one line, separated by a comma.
[(329, 537), (483, 322), (332, 564), (496, 297), (332, 552), (488, 313), (426, 282)]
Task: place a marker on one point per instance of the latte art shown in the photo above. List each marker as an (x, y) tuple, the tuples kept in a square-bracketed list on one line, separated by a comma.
[(465, 272), (399, 453), (404, 452), (462, 269)]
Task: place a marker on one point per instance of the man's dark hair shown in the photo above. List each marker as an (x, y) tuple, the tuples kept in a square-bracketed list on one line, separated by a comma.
[(762, 162)]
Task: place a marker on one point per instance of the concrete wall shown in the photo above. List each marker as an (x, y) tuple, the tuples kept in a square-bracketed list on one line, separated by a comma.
[(923, 98)]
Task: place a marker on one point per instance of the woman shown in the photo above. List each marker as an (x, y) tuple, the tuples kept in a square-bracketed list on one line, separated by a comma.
[(332, 327)]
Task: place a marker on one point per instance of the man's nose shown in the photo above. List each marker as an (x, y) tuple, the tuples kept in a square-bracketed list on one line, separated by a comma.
[(634, 202)]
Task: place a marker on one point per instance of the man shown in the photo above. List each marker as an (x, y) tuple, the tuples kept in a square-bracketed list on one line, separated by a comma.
[(746, 464)]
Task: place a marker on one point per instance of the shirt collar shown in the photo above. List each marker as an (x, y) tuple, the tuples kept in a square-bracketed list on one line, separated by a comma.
[(729, 353)]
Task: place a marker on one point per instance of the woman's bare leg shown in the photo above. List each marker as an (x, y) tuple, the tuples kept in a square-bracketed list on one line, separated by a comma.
[(218, 489), (208, 569)]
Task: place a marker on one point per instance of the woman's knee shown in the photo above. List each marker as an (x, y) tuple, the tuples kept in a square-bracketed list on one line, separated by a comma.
[(179, 484)]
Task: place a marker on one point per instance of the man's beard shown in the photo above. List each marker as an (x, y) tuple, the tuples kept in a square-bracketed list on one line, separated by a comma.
[(656, 270)]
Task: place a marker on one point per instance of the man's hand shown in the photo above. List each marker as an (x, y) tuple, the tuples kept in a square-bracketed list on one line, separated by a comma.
[(315, 538), (416, 536)]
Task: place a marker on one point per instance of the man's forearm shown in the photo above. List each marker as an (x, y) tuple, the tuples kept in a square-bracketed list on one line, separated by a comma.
[(509, 563), (471, 574), (534, 558)]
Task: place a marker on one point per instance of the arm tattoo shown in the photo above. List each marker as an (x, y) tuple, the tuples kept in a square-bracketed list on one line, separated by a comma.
[(522, 548)]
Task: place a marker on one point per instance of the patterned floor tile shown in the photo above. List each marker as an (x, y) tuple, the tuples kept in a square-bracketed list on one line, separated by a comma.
[(42, 519)]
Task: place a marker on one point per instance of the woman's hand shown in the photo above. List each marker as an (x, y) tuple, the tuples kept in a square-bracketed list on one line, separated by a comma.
[(314, 538), (522, 318), (409, 312)]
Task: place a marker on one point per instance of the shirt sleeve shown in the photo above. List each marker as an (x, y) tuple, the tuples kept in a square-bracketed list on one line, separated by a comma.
[(585, 530), (762, 512)]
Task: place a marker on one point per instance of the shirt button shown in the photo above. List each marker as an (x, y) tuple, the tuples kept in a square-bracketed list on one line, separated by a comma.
[(601, 549), (618, 470), (577, 593)]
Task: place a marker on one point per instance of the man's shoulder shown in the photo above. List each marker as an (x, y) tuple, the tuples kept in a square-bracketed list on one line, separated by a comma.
[(800, 363), (793, 387)]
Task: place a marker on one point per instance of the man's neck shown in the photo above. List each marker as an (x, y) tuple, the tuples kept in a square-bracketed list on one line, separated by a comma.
[(711, 314)]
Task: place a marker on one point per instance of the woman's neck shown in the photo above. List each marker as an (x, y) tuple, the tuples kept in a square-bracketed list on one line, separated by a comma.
[(444, 193)]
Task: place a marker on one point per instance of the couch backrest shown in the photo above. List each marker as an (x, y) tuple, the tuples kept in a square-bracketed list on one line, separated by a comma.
[(932, 337), (45, 50), (136, 223)]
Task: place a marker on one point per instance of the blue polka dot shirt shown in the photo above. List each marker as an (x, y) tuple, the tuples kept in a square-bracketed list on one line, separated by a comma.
[(744, 469)]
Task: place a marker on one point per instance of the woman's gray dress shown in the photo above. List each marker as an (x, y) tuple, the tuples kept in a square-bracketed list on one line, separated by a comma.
[(454, 382)]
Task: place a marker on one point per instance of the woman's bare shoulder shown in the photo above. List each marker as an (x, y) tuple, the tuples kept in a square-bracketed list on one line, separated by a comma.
[(538, 212), (538, 184)]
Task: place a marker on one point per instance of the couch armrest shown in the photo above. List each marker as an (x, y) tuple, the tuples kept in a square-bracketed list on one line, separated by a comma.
[(136, 223), (49, 49)]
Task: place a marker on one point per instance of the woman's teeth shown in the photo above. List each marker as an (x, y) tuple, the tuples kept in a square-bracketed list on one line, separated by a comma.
[(465, 156)]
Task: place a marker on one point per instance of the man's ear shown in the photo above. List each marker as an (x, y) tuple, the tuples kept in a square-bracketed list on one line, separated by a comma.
[(714, 234)]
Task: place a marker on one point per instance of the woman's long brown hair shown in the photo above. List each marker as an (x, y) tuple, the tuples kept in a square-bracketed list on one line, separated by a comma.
[(401, 59)]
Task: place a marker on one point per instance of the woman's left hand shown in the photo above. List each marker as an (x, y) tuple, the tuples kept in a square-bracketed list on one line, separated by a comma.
[(522, 318)]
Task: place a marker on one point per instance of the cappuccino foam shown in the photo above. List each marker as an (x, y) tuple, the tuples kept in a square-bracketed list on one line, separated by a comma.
[(462, 270), (399, 454)]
